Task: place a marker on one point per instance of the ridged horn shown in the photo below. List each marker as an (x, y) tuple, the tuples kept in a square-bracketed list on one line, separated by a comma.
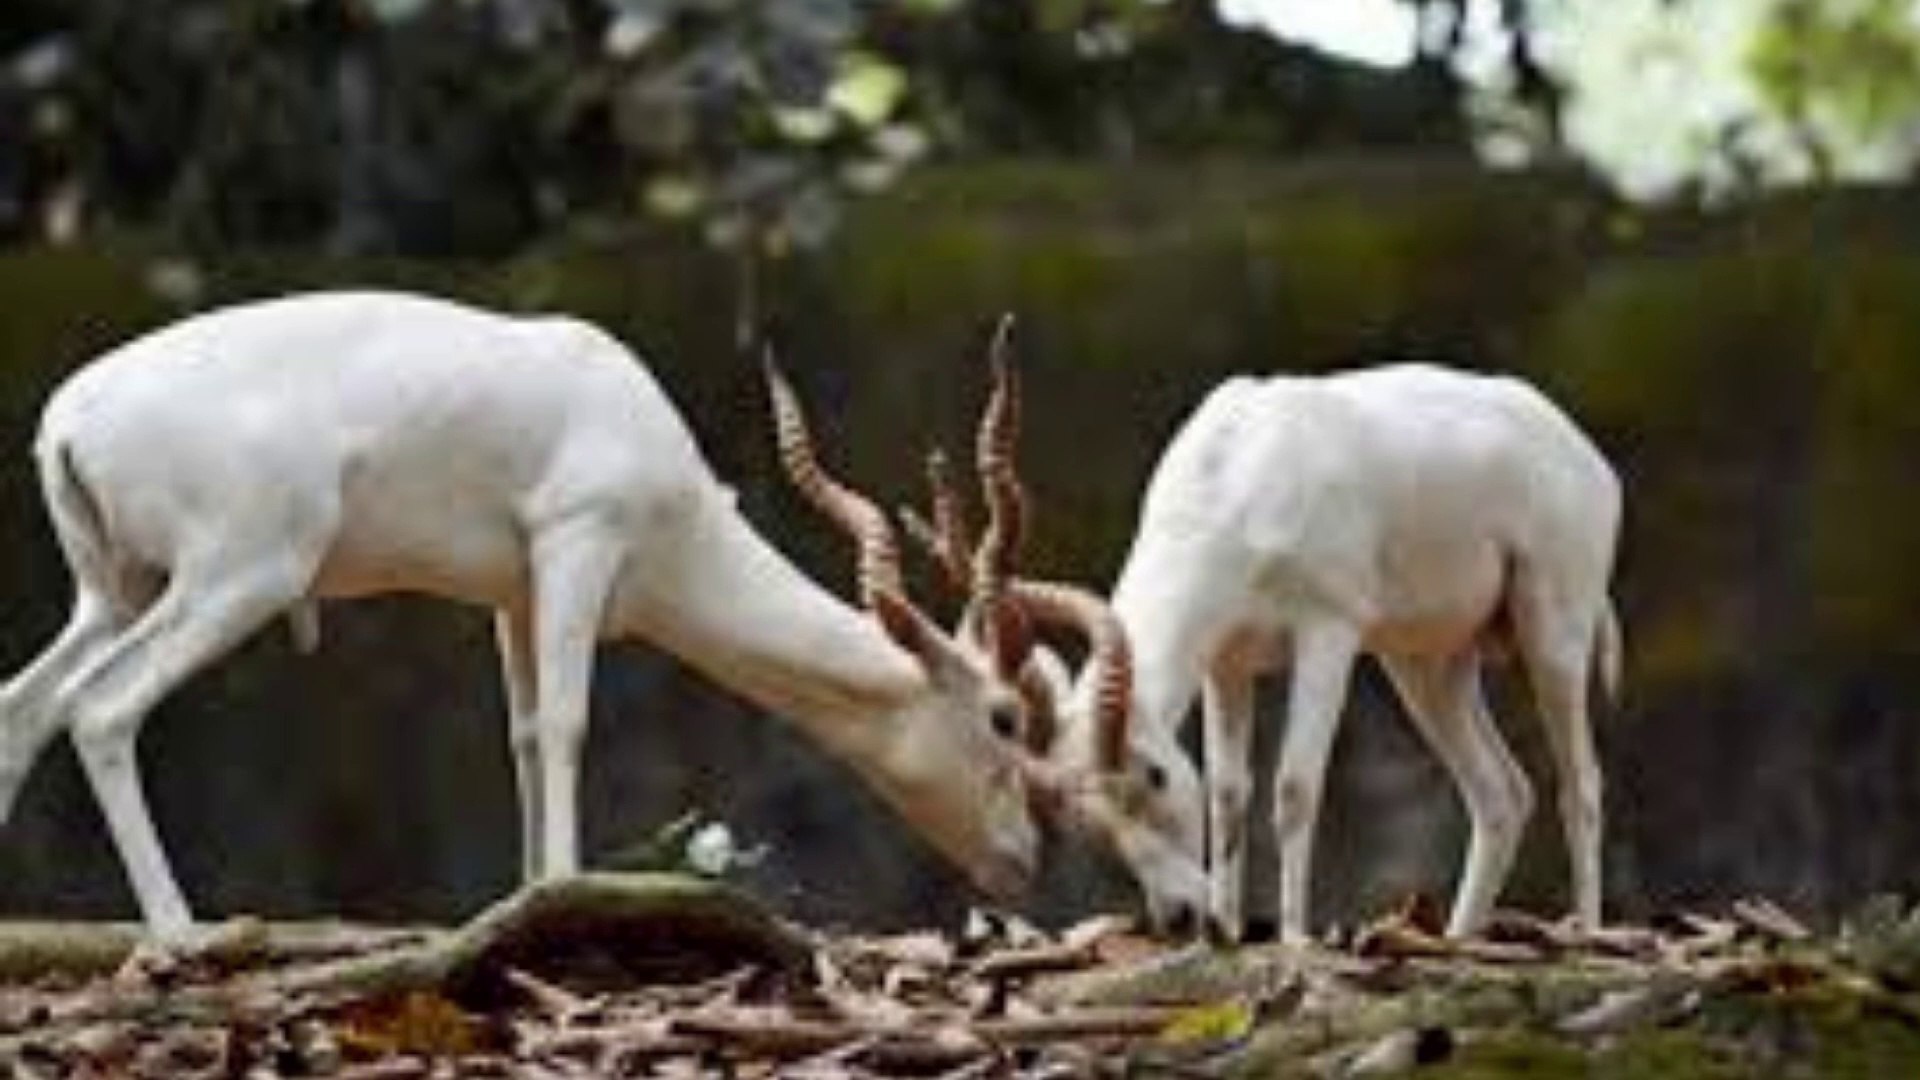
[(854, 513), (1110, 658)]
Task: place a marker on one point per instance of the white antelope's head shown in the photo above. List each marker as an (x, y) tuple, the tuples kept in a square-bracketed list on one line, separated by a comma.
[(1135, 792), (1129, 786), (950, 759)]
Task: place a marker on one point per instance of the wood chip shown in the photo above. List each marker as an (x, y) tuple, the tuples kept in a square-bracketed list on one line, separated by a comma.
[(1390, 1054), (1769, 919), (395, 1068), (553, 1000), (1035, 960), (1623, 1010)]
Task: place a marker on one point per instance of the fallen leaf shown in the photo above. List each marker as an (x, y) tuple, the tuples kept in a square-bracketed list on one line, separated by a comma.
[(1395, 940), (1222, 1021), (1421, 912), (1520, 928), (1774, 975), (1399, 1051), (1627, 942), (1125, 949), (416, 1022), (1090, 932), (926, 948), (1624, 1010), (1769, 919)]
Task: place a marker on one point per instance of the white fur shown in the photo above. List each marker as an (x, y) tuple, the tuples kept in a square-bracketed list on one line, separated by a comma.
[(234, 467), (1405, 512)]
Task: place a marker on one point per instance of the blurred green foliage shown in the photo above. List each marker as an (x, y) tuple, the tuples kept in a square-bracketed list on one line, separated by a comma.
[(440, 127), (477, 127), (449, 127), (1845, 71)]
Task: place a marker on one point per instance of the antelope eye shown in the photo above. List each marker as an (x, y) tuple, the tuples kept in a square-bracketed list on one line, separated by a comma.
[(1005, 721), (1156, 775)]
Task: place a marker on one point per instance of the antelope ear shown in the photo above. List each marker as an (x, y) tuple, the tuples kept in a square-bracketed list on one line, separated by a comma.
[(907, 627), (1012, 639), (913, 631), (1043, 724)]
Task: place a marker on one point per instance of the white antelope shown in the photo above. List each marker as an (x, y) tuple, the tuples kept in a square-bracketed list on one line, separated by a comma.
[(1425, 516), (236, 466)]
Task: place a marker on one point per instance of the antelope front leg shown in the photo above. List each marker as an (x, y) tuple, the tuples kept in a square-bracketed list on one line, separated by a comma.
[(513, 635), (1322, 661), (1227, 707), (574, 564)]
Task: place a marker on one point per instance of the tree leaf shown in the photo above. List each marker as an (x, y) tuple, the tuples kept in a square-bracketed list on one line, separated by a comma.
[(803, 124), (867, 88), (393, 11), (902, 143), (674, 196), (630, 32)]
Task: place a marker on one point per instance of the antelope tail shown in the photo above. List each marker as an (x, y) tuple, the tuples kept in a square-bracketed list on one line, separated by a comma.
[(1607, 647)]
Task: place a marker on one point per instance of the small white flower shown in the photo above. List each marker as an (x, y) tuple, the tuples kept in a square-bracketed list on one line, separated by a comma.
[(711, 849)]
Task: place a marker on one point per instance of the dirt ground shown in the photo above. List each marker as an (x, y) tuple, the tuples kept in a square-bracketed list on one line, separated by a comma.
[(660, 975)]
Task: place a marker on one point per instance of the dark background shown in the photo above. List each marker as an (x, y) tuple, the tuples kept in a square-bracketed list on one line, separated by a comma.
[(1200, 202)]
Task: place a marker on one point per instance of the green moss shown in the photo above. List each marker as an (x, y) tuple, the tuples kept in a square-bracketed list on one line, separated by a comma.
[(1670, 1055), (1511, 1054), (1823, 1030), (1818, 1033)]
